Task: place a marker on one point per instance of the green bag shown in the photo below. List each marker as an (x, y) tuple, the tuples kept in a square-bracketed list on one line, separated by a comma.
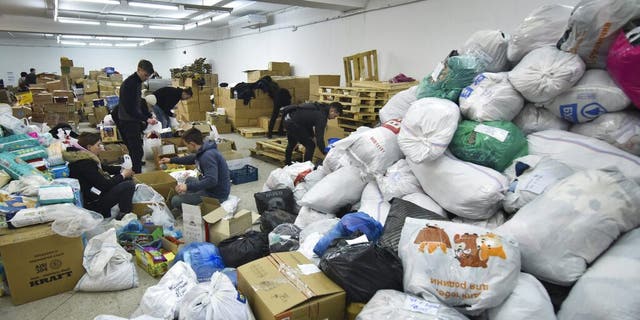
[(458, 72), (493, 144)]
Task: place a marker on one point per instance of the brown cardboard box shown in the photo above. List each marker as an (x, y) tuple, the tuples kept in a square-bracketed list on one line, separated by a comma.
[(297, 86), (255, 75), (331, 131), (283, 67), (275, 296), (59, 107), (160, 181), (177, 82), (194, 227), (53, 118), (94, 74), (40, 263), (232, 155), (219, 121), (37, 89), (116, 77), (318, 80), (21, 112), (55, 85), (226, 145), (89, 97), (90, 86), (63, 93), (221, 229), (113, 153), (42, 98), (263, 122), (106, 90), (211, 80), (76, 73)]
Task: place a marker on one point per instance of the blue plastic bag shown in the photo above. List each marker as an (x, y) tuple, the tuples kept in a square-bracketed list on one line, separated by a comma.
[(347, 226), (203, 257)]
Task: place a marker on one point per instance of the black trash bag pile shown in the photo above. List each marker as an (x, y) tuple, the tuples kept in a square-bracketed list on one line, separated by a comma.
[(275, 199), (275, 217), (241, 249)]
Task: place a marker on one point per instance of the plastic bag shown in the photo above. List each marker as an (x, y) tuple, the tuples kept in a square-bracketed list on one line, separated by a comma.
[(362, 269), (589, 207), (428, 128), (275, 199), (545, 73), (245, 248), (230, 205), (400, 210), (349, 225), (398, 181), (109, 266), (285, 237), (490, 97), (373, 203), (529, 301), (542, 27), (595, 94), (489, 46), (161, 215), (31, 216), (493, 144), (273, 218), (307, 216), (622, 63), (75, 222), (396, 305), (447, 81), (145, 193), (323, 196), (283, 178), (621, 129), (533, 119), (592, 28), (163, 299), (215, 300), (397, 106), (469, 268), (28, 185), (310, 235), (203, 257), (148, 145), (308, 182)]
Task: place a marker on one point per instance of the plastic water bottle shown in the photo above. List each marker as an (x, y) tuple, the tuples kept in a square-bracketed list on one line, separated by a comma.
[(127, 164)]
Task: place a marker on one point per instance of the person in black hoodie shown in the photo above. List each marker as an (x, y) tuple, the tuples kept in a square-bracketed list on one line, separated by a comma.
[(100, 190), (32, 77), (305, 121), (166, 100), (214, 181)]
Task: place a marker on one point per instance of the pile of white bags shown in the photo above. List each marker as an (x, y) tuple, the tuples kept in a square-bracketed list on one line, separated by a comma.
[(392, 304), (529, 301), (490, 97), (594, 95), (490, 46), (490, 223), (462, 188), (428, 128), (398, 181), (568, 226), (282, 178), (422, 200), (163, 299), (337, 189), (545, 73), (533, 119), (215, 300), (466, 267), (373, 203), (308, 182), (307, 216), (397, 106), (621, 129)]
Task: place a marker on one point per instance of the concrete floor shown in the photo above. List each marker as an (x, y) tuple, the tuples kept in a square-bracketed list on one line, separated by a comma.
[(82, 305)]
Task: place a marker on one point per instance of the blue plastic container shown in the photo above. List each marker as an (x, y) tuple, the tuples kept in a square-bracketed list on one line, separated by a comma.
[(112, 101), (245, 174), (330, 143), (109, 70)]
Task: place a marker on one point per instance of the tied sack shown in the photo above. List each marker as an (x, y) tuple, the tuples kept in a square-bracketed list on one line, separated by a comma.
[(595, 94), (611, 286), (466, 267), (529, 301), (373, 203), (533, 119), (217, 299), (620, 129), (398, 105), (490, 97), (545, 73), (398, 181), (163, 300), (428, 129), (450, 77), (337, 189), (572, 223), (489, 46), (392, 304)]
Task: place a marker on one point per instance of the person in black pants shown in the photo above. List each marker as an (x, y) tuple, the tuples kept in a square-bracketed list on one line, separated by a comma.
[(281, 99), (305, 121), (166, 99), (100, 190), (132, 113)]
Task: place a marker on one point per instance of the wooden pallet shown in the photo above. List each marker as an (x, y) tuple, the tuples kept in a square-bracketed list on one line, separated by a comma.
[(362, 116), (250, 132), (350, 125), (274, 150), (353, 92)]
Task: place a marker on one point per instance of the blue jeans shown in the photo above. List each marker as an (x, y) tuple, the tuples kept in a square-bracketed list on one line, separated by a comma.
[(163, 118)]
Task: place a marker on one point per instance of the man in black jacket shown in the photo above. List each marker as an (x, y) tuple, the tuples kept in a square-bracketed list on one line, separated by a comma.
[(31, 77), (166, 100), (100, 190), (132, 113), (305, 121)]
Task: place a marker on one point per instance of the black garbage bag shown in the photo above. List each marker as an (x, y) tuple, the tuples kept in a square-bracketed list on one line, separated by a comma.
[(273, 218), (241, 249), (275, 199), (400, 210), (285, 237), (362, 269)]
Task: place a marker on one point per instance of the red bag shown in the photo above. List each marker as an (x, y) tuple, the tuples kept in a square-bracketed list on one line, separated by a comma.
[(623, 64)]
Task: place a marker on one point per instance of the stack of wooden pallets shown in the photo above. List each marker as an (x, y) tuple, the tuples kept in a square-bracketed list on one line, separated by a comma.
[(273, 150)]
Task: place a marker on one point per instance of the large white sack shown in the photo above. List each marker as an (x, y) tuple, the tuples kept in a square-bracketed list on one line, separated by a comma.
[(376, 149), (282, 178), (545, 73), (621, 129), (109, 266), (580, 152), (163, 299), (594, 95), (396, 305), (307, 216), (572, 223), (373, 203), (217, 299), (462, 188), (308, 182), (397, 106), (489, 46), (338, 158), (466, 267), (336, 190), (610, 289), (529, 177), (528, 301), (490, 97), (491, 223), (422, 200), (533, 119), (428, 128), (542, 27), (398, 181)]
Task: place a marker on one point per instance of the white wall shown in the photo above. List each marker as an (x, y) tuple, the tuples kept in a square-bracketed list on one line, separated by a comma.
[(410, 38), (47, 59)]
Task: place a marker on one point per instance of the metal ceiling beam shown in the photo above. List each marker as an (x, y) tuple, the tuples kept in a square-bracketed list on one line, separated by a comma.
[(339, 5)]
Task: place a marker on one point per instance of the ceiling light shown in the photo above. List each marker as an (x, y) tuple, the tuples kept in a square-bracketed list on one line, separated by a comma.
[(166, 27), (66, 20), (210, 2), (152, 6), (145, 43), (236, 5), (110, 38), (100, 44), (124, 25), (220, 17), (126, 44), (112, 2), (55, 10), (139, 39), (203, 22), (48, 35), (190, 26), (66, 36), (73, 43), (58, 38)]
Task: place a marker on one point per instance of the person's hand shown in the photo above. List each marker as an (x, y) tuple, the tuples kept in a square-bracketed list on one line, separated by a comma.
[(152, 121), (164, 161), (127, 173), (181, 188)]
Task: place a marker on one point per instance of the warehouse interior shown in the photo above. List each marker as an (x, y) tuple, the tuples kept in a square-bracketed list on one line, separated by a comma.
[(319, 159)]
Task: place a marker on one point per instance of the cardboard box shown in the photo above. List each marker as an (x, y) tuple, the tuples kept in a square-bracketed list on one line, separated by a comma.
[(90, 86), (21, 112), (297, 86), (94, 74), (194, 227), (106, 90), (37, 89), (303, 293), (255, 75), (60, 107), (66, 62), (113, 153), (318, 80), (226, 145), (283, 67), (100, 113), (42, 98), (232, 155), (160, 181), (64, 93), (221, 229), (263, 122), (89, 97), (116, 77), (177, 82), (219, 121), (154, 268), (109, 133), (53, 118), (76, 72), (39, 263), (55, 85), (211, 80)]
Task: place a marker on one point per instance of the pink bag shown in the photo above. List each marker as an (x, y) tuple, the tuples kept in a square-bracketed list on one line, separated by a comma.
[(623, 64)]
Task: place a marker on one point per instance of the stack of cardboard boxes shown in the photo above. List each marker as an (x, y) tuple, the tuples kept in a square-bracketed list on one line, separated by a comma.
[(275, 69), (316, 81), (298, 87), (242, 115), (220, 121), (195, 108)]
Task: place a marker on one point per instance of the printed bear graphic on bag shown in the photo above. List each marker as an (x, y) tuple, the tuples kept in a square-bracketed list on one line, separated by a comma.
[(432, 237), (490, 246), (467, 251)]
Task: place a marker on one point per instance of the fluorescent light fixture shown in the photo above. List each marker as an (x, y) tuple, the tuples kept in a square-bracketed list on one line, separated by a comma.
[(110, 38), (48, 35), (203, 22), (112, 2), (67, 36), (58, 38), (55, 10), (73, 43), (124, 25), (139, 39), (74, 21), (166, 27), (145, 43), (100, 44), (238, 4), (152, 6), (190, 26), (210, 2), (220, 16), (126, 44)]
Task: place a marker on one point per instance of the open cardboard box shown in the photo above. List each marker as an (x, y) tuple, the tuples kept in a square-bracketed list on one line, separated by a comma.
[(205, 222)]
